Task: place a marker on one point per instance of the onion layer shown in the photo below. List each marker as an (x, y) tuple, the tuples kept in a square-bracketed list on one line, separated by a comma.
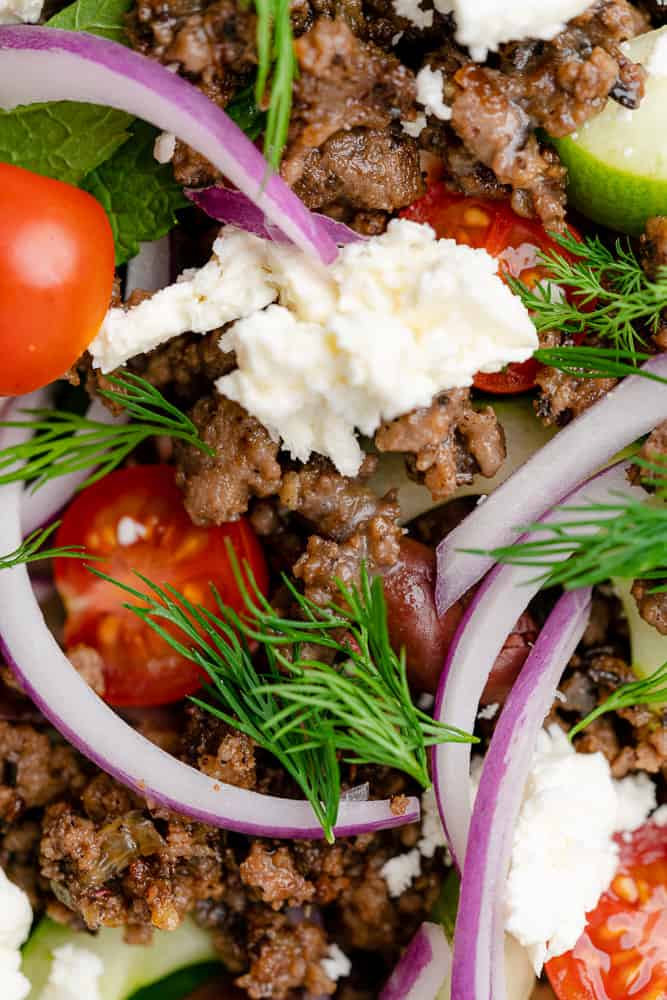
[(499, 601), (478, 970), (54, 65), (633, 408), (423, 969)]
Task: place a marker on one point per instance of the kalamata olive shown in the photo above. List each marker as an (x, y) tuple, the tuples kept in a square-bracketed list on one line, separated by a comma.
[(510, 660)]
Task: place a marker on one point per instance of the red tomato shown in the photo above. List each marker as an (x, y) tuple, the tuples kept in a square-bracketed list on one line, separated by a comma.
[(622, 954), (56, 276), (495, 227), (134, 520)]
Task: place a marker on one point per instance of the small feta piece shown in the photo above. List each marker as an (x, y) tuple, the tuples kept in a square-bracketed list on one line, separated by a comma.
[(659, 817), (20, 11), (400, 872), (488, 711), (432, 832), (430, 85), (129, 531), (336, 965), (414, 129), (411, 10), (657, 61), (636, 798), (164, 147), (13, 984), (15, 923), (484, 25), (232, 284), (75, 973), (405, 316)]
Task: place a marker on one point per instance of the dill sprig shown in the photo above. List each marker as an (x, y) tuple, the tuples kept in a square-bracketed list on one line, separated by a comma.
[(31, 549), (597, 362), (276, 60), (304, 711), (62, 442), (647, 691), (610, 296)]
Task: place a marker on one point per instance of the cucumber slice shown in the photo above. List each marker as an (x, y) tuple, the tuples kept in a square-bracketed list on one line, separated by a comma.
[(524, 435), (617, 162), (648, 646), (127, 968)]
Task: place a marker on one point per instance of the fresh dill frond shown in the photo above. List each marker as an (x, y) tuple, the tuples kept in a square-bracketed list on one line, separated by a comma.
[(276, 71), (609, 295), (62, 442), (31, 550), (303, 710), (597, 362), (647, 691)]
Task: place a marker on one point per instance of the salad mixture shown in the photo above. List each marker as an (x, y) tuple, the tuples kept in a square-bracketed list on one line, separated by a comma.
[(333, 467)]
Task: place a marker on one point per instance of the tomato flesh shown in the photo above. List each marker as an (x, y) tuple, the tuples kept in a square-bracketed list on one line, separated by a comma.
[(56, 278), (622, 954), (496, 228), (134, 520)]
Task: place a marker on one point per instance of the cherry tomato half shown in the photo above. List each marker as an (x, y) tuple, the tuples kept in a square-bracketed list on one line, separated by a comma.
[(135, 521), (56, 276), (495, 227), (622, 954)]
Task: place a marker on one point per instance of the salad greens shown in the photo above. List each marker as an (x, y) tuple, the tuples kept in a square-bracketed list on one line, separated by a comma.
[(99, 17)]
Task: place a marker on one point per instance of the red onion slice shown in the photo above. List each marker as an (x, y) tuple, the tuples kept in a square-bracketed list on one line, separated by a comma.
[(478, 968), (633, 408), (423, 968), (234, 208), (93, 728), (497, 604), (53, 65)]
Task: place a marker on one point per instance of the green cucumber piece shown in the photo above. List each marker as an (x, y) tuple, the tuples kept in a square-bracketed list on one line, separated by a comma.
[(127, 968), (617, 161), (648, 646)]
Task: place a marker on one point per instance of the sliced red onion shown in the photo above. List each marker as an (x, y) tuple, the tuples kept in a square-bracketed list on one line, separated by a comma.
[(234, 208), (150, 270), (499, 601), (633, 408), (423, 969), (53, 65), (478, 967)]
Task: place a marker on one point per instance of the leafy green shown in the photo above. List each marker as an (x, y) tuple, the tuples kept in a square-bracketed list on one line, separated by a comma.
[(244, 111), (139, 194), (648, 691), (99, 17), (447, 903), (179, 985)]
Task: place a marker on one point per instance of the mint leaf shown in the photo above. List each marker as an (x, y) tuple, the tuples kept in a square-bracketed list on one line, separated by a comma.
[(139, 194), (99, 17), (61, 139)]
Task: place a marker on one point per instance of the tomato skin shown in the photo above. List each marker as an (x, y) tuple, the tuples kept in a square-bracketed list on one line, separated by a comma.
[(493, 226), (140, 667), (56, 279), (622, 954)]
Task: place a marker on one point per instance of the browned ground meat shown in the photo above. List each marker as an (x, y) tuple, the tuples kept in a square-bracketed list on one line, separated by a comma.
[(271, 873), (349, 86), (285, 958), (653, 256), (563, 397), (217, 488), (185, 365), (652, 607), (654, 451), (218, 750), (89, 664), (447, 442), (35, 771)]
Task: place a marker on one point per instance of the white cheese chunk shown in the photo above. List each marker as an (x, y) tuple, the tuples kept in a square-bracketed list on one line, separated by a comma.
[(400, 871), (636, 798), (411, 10), (394, 321), (164, 147), (20, 11), (336, 965), (414, 128), (75, 973), (232, 284), (129, 531), (432, 832), (659, 817), (430, 84), (15, 922)]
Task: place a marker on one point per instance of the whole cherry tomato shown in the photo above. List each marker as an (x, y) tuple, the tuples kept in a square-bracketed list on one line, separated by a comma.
[(56, 276), (134, 520)]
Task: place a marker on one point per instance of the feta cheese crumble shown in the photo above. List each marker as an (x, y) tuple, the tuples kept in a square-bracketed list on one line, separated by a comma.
[(336, 965), (75, 973), (563, 851), (400, 871), (430, 85), (129, 531), (432, 833), (164, 147), (15, 921), (657, 61), (488, 712), (394, 321), (20, 11), (659, 817)]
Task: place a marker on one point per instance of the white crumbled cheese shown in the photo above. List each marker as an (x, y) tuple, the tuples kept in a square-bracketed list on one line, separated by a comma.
[(164, 147), (430, 84), (488, 711), (129, 531), (394, 321), (231, 285), (432, 833), (635, 800), (657, 62), (411, 10), (75, 973), (483, 25), (415, 128), (15, 922), (336, 965), (659, 817), (563, 849), (397, 37), (400, 872), (425, 701), (20, 12)]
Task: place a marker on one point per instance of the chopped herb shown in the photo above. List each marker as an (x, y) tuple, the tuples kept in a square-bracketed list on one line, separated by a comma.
[(64, 442), (276, 71), (648, 691), (597, 362), (31, 550)]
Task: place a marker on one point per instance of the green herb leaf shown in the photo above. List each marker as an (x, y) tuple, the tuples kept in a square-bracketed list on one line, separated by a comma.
[(277, 64), (244, 111), (100, 17), (648, 691), (64, 442), (30, 549), (139, 194), (597, 362)]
